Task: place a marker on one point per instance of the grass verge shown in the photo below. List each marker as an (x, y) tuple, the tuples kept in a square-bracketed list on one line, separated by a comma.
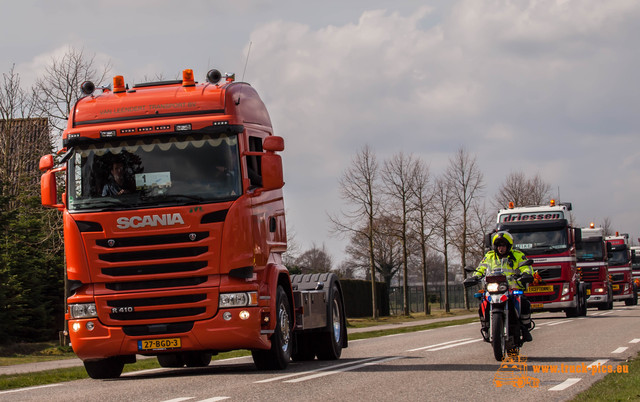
[(615, 387)]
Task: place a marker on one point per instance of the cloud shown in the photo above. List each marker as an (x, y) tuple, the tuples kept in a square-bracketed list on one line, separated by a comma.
[(520, 84)]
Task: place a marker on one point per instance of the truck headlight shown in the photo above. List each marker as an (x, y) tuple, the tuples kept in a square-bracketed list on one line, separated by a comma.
[(565, 288), (85, 310), (239, 299)]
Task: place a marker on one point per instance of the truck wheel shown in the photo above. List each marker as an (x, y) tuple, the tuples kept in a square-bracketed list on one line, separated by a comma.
[(172, 360), (104, 368), (277, 358), (583, 298), (330, 342), (197, 359)]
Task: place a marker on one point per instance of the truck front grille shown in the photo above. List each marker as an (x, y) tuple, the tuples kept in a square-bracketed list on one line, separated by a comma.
[(155, 284), (617, 277), (549, 273), (158, 329), (590, 274)]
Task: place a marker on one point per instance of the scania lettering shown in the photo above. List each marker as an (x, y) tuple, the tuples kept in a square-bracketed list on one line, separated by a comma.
[(544, 234), (624, 287), (592, 253), (174, 229)]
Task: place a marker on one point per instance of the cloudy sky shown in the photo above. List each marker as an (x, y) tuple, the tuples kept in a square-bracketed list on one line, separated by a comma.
[(546, 87)]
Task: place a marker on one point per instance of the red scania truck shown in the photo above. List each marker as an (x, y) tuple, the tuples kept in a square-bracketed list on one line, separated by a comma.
[(543, 234), (174, 228), (592, 253), (624, 287)]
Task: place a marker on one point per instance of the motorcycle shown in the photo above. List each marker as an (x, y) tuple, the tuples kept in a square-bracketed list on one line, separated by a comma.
[(503, 296)]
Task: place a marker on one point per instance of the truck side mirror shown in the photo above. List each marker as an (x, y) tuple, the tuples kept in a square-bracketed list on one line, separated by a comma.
[(48, 189), (46, 163), (487, 241), (578, 236), (272, 176)]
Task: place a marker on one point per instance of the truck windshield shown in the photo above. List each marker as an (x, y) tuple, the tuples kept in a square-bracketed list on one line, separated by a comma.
[(619, 257), (590, 251), (170, 170), (544, 241)]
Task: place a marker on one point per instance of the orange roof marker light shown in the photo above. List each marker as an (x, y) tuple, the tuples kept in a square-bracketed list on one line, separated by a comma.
[(511, 205), (187, 78), (592, 225), (118, 84), (552, 203)]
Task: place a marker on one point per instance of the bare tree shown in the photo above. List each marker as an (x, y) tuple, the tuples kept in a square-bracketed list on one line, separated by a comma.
[(520, 190), (422, 200), (23, 138), (398, 176), (315, 260), (607, 226), (466, 181), (443, 222), (59, 88), (387, 251), (357, 185)]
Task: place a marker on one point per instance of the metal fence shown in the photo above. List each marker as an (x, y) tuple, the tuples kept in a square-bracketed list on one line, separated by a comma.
[(436, 298)]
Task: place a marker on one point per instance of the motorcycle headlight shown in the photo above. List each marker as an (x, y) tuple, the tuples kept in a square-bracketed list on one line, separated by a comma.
[(493, 287)]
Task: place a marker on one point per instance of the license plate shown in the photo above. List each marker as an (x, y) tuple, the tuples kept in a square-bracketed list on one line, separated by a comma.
[(616, 287), (540, 289), (537, 306), (159, 344), (588, 292)]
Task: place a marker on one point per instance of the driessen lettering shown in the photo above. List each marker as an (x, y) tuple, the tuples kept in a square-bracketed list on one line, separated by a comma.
[(530, 217)]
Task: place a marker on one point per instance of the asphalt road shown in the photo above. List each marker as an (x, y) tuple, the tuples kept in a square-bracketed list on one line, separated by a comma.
[(450, 363)]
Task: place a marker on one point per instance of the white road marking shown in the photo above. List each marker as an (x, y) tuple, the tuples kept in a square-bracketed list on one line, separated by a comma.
[(634, 340), (608, 312), (313, 376), (560, 322), (565, 384), (620, 349), (28, 388), (282, 377), (438, 344), (215, 399), (454, 345), (179, 399), (598, 362)]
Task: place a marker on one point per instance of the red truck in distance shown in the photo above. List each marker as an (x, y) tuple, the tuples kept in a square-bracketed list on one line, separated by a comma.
[(593, 253), (174, 228), (620, 270), (543, 234)]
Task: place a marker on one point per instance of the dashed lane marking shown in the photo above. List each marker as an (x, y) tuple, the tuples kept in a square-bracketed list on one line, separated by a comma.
[(565, 384), (326, 373)]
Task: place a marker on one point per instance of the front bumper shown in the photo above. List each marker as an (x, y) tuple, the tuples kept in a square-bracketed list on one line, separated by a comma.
[(215, 334)]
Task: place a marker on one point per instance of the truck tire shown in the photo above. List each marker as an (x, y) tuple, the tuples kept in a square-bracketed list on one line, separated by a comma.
[(171, 360), (330, 342), (583, 297), (277, 358), (104, 368), (197, 359)]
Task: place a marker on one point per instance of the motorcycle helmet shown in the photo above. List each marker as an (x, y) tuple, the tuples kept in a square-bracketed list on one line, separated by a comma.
[(504, 238)]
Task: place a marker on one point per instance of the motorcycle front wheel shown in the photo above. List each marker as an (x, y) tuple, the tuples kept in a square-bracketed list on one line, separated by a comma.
[(498, 340)]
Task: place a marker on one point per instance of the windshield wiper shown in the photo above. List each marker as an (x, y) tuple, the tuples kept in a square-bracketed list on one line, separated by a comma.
[(176, 198), (99, 203)]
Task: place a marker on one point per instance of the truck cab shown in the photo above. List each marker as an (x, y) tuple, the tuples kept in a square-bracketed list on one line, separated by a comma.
[(624, 288), (592, 253), (544, 235)]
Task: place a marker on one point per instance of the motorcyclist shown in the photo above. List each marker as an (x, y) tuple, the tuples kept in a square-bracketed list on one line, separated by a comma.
[(502, 248)]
